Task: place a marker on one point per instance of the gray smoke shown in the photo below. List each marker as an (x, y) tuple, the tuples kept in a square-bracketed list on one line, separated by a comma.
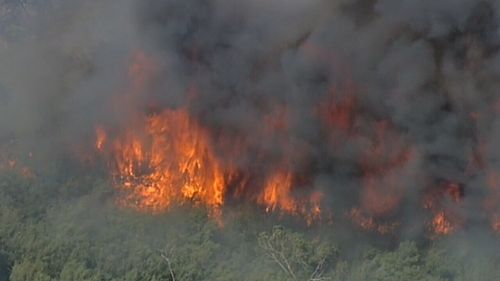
[(426, 70)]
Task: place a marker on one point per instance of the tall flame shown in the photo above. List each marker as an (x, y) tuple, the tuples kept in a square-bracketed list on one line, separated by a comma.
[(169, 161), (168, 158)]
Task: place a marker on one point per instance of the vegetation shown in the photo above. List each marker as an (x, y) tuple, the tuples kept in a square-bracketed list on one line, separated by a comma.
[(57, 227), (67, 231)]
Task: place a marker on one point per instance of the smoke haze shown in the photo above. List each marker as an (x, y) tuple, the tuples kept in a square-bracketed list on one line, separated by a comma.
[(376, 105)]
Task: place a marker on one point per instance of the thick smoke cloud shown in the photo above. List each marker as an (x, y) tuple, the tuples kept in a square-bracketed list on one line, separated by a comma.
[(399, 94), (425, 68)]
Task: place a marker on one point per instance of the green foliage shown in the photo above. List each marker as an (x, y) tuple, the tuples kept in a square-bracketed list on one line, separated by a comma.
[(297, 257), (407, 263), (30, 270), (49, 232)]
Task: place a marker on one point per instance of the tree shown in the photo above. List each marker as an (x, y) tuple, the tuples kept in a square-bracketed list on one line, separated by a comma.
[(407, 263), (297, 257)]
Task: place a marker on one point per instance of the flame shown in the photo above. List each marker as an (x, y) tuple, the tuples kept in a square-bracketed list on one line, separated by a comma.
[(445, 220), (168, 162), (442, 225), (277, 195), (161, 159), (167, 158)]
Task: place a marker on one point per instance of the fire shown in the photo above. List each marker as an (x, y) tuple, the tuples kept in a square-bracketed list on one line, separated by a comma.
[(439, 200), (168, 161), (277, 192), (278, 195), (441, 224), (167, 158), (170, 157), (164, 158)]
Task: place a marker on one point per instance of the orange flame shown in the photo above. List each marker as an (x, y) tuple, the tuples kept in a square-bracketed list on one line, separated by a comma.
[(445, 220), (442, 225), (168, 162), (278, 195), (168, 158)]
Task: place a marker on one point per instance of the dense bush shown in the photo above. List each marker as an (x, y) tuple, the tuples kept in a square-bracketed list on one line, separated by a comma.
[(49, 233)]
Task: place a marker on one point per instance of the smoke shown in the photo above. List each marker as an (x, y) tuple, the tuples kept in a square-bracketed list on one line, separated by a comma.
[(371, 103), (424, 69)]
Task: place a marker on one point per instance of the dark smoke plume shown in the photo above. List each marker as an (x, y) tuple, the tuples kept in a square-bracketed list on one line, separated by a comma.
[(384, 101)]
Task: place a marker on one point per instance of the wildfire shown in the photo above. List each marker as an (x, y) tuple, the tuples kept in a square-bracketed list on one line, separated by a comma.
[(445, 220), (167, 158), (164, 158), (369, 223), (441, 225), (278, 195), (168, 161)]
